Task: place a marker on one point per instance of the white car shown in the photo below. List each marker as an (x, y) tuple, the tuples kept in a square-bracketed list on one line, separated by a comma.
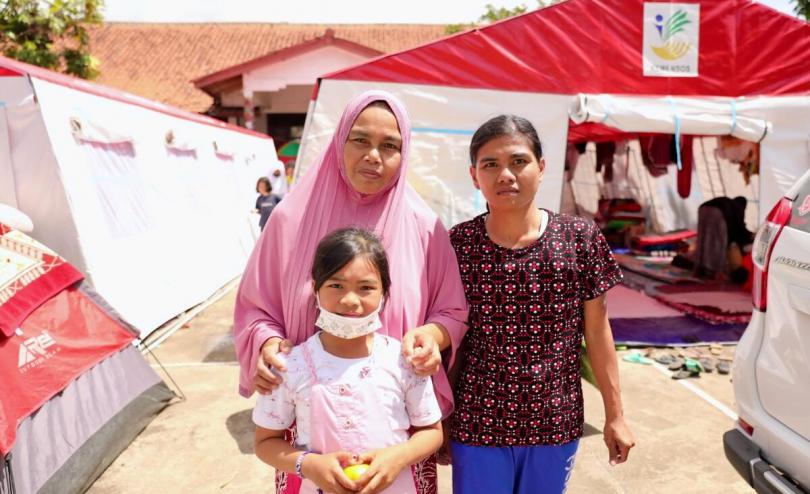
[(770, 447)]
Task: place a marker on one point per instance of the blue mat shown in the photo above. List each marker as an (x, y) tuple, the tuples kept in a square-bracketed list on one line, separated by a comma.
[(673, 331)]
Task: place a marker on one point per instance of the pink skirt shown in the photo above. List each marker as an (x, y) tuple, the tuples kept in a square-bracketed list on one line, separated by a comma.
[(424, 474)]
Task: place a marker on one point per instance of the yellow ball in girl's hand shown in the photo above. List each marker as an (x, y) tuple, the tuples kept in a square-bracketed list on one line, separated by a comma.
[(354, 472)]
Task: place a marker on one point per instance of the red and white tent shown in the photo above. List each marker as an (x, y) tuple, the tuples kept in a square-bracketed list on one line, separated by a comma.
[(591, 70)]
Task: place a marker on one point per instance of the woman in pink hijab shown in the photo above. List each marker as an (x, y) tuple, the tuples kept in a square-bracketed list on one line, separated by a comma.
[(359, 180)]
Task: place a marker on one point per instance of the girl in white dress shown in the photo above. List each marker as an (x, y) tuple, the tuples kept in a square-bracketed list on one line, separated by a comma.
[(354, 397)]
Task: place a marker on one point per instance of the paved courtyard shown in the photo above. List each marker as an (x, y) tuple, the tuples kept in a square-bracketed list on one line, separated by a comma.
[(204, 444)]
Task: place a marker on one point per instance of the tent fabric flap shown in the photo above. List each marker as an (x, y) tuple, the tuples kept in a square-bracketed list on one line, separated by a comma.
[(86, 130), (64, 337), (689, 116)]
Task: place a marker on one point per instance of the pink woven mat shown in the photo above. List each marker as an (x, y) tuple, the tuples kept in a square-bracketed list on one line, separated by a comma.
[(625, 303), (728, 302), (657, 269)]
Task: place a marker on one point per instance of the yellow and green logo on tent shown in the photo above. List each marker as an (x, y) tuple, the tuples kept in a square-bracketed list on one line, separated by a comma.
[(672, 47)]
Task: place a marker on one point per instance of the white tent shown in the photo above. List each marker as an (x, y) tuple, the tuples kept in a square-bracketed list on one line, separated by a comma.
[(151, 203), (580, 70)]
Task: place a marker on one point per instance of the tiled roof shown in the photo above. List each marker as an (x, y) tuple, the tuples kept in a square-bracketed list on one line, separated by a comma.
[(159, 61)]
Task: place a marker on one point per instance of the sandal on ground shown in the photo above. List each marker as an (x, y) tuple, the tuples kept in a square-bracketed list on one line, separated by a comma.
[(707, 363), (676, 364), (685, 374), (637, 358), (693, 366), (666, 359)]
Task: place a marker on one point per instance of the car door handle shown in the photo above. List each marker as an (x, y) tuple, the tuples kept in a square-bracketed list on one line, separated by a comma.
[(799, 298)]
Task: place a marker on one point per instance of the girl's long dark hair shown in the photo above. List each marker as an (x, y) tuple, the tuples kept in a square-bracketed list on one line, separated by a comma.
[(341, 247)]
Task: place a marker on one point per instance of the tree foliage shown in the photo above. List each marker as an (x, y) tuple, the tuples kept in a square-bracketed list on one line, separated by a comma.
[(802, 8), (51, 34), (494, 14)]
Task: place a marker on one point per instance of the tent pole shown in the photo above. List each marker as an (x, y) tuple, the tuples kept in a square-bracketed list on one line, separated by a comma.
[(651, 193), (574, 196), (638, 191), (570, 184), (708, 167), (646, 187), (755, 193), (719, 173), (180, 392)]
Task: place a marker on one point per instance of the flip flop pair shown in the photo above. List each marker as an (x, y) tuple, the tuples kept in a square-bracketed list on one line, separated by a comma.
[(690, 369)]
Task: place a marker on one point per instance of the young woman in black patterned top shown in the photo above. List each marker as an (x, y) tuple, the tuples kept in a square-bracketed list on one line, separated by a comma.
[(535, 282)]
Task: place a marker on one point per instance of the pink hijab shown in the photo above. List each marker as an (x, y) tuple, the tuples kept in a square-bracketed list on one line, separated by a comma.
[(275, 297)]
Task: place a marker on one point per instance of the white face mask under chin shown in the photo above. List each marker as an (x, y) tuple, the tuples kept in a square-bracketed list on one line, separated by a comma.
[(348, 327)]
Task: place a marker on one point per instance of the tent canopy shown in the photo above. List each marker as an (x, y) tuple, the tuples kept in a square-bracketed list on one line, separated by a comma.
[(594, 46)]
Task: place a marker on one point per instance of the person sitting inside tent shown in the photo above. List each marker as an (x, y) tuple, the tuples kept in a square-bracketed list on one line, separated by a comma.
[(722, 242)]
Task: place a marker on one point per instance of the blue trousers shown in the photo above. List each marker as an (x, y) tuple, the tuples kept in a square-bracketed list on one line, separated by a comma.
[(512, 470)]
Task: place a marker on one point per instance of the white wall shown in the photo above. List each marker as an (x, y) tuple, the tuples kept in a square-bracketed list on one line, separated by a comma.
[(291, 99), (303, 69)]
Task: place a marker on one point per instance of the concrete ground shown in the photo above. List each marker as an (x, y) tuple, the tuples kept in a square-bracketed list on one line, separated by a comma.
[(204, 444)]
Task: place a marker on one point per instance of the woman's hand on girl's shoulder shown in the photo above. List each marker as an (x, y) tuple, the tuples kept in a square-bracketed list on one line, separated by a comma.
[(420, 349), (326, 471), (271, 357)]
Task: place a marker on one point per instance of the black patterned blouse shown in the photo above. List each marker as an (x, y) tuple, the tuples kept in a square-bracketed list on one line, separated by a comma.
[(521, 384)]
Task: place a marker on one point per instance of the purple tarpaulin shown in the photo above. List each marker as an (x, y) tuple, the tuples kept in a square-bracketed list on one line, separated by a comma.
[(673, 331)]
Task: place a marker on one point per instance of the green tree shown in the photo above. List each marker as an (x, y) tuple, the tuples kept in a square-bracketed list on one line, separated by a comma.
[(802, 8), (494, 14), (51, 34)]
